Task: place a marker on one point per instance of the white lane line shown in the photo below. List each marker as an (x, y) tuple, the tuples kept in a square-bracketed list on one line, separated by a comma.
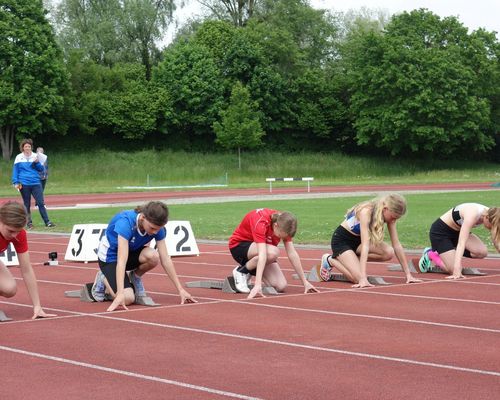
[(128, 373)]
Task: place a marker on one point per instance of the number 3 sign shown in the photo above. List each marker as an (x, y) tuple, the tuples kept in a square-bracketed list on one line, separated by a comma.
[(84, 241)]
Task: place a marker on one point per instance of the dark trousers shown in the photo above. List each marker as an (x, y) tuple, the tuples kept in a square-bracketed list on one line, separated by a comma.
[(36, 191)]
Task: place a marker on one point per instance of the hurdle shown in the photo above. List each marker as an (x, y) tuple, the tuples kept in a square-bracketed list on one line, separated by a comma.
[(306, 179)]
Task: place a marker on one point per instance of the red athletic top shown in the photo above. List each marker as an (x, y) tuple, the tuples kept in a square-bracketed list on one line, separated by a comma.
[(256, 227), (20, 242)]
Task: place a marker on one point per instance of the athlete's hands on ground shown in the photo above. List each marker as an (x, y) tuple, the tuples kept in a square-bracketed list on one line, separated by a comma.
[(309, 288), (186, 298), (411, 279), (256, 291), (117, 302), (362, 283), (455, 276), (39, 313)]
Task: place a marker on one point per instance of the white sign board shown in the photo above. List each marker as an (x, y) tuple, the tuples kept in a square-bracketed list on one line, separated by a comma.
[(85, 238), (84, 241), (9, 256)]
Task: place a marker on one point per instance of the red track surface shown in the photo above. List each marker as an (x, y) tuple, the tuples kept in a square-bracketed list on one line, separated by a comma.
[(125, 197), (439, 339)]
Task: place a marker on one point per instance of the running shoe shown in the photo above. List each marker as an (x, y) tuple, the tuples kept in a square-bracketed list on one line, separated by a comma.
[(241, 281), (99, 288), (424, 264), (29, 225), (50, 225), (435, 258), (325, 268), (136, 282)]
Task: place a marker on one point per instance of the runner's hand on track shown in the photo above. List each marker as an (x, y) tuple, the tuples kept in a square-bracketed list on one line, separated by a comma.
[(186, 298), (117, 302), (309, 288)]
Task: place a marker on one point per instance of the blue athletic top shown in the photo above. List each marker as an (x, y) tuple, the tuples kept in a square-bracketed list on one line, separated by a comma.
[(26, 171), (125, 225), (353, 223)]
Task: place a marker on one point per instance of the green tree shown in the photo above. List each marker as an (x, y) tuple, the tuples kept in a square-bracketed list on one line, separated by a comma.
[(236, 11), (415, 88), (111, 31), (240, 126), (115, 101), (196, 87), (32, 74)]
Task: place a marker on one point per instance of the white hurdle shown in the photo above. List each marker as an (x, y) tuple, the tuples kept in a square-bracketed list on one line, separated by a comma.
[(306, 179)]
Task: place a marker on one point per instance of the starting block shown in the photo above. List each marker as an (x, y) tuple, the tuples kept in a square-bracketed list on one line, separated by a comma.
[(85, 295), (4, 317), (413, 266), (227, 286), (313, 276)]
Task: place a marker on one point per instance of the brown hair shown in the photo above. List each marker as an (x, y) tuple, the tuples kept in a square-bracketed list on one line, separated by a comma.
[(13, 214), (155, 212), (25, 141), (287, 222), (494, 218)]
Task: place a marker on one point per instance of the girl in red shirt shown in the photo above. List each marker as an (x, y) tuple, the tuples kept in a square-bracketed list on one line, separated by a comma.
[(254, 246), (13, 219)]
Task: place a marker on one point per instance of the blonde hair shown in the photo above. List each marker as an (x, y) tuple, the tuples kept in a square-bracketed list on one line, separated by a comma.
[(494, 218), (394, 202), (13, 214), (287, 222)]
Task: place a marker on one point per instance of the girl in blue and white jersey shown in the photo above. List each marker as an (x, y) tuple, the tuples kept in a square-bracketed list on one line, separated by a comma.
[(125, 248), (360, 238)]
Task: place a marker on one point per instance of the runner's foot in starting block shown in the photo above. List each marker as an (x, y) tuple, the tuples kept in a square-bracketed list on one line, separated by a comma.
[(313, 276), (227, 286), (4, 317), (85, 295)]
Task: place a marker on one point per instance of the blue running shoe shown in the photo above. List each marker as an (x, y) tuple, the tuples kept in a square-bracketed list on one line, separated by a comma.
[(136, 282), (99, 288)]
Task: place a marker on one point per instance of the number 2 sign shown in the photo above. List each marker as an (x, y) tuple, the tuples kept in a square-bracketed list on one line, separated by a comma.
[(180, 239)]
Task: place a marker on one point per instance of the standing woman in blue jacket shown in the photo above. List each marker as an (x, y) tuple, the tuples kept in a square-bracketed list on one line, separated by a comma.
[(26, 179)]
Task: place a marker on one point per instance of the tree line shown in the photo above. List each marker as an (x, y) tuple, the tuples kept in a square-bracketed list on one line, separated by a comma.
[(256, 73)]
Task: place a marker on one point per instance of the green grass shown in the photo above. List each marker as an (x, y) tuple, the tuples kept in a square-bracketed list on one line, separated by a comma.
[(103, 171), (317, 217)]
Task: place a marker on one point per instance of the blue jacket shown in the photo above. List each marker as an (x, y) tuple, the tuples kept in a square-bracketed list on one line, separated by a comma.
[(26, 171)]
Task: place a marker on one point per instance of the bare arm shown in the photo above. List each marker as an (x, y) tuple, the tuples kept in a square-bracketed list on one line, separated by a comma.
[(294, 258), (399, 251), (168, 267), (31, 284), (261, 264), (364, 220), (121, 264)]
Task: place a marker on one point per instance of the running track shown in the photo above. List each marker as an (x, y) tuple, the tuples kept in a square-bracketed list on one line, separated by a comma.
[(439, 339)]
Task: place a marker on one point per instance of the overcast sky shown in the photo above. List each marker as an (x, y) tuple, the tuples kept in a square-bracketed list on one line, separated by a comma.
[(472, 13)]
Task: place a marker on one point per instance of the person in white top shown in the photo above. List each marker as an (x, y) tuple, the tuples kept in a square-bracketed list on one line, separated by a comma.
[(452, 239)]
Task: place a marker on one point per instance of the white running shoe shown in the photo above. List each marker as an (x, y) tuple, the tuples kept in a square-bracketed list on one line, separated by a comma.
[(99, 287), (240, 281)]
